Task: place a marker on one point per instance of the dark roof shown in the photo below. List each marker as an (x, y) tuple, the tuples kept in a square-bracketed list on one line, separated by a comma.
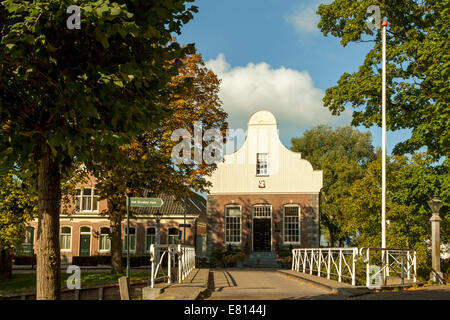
[(195, 204)]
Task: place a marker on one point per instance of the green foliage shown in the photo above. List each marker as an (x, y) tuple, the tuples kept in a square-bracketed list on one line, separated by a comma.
[(342, 154), (82, 93), (226, 257), (18, 205), (410, 184), (418, 69)]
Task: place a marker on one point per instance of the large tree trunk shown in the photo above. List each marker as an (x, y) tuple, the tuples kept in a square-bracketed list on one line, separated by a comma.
[(48, 273), (116, 240), (6, 262)]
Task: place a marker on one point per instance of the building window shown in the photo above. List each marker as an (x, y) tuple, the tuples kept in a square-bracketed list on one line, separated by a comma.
[(105, 241), (86, 200), (172, 237), (150, 236), (132, 239), (66, 238), (262, 211), (291, 231), (26, 248), (233, 224), (262, 164)]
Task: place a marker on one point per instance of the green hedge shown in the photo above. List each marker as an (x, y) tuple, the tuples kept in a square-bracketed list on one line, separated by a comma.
[(135, 261), (25, 260)]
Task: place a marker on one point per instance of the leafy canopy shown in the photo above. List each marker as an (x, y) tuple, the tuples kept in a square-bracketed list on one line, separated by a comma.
[(343, 154), (82, 93), (18, 204), (418, 69)]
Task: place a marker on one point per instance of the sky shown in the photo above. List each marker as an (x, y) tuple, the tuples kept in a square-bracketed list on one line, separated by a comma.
[(270, 55)]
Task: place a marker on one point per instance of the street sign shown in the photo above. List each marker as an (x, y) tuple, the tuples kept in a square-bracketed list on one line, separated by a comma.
[(184, 225), (146, 202)]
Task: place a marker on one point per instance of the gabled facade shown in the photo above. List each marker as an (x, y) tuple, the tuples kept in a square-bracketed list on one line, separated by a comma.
[(264, 197)]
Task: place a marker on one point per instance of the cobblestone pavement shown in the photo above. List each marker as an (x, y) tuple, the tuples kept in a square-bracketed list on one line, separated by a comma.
[(263, 284)]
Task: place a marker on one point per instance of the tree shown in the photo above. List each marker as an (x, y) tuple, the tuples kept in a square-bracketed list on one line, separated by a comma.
[(418, 69), (410, 184), (18, 205), (81, 93), (343, 154), (150, 165)]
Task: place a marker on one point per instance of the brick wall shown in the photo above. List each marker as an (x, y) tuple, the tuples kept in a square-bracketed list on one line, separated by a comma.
[(309, 217)]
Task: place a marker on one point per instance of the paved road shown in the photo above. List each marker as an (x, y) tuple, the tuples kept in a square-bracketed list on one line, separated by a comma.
[(265, 284), (259, 284)]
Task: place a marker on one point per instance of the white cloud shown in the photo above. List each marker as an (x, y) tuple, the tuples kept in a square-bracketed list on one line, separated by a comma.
[(305, 19), (289, 94)]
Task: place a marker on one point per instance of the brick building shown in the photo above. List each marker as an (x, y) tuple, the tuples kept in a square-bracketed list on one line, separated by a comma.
[(264, 197), (85, 231)]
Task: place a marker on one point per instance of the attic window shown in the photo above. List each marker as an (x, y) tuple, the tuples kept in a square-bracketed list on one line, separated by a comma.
[(262, 164)]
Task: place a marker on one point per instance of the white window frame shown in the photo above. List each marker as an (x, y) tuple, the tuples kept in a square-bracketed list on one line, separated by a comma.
[(80, 197), (258, 167), (169, 235), (147, 247), (240, 224), (100, 240), (70, 239), (133, 236), (299, 224)]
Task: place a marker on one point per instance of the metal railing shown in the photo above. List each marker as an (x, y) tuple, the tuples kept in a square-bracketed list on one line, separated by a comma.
[(392, 261), (329, 261), (341, 262), (177, 256), (186, 261)]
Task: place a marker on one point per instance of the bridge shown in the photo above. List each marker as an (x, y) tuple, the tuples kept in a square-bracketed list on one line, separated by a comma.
[(316, 273)]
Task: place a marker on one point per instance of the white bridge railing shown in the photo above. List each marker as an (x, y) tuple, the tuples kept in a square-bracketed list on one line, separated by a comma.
[(329, 261), (341, 262), (399, 262), (177, 257)]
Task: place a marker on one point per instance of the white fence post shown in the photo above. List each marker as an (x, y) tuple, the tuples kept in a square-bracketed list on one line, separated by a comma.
[(169, 262), (320, 262), (152, 262), (329, 264)]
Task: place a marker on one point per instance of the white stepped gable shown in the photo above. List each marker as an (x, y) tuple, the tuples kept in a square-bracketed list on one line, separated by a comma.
[(287, 171)]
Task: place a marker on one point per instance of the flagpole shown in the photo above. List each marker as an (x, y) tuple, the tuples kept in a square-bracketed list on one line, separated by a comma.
[(383, 147), (383, 143)]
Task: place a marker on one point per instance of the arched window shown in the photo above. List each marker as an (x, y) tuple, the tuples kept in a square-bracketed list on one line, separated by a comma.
[(85, 230), (150, 237), (66, 238), (233, 224), (291, 224), (105, 241), (172, 236)]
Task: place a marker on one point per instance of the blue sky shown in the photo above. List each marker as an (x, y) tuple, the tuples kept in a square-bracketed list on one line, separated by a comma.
[(270, 55)]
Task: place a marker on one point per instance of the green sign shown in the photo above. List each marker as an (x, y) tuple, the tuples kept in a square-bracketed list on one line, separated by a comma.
[(146, 202)]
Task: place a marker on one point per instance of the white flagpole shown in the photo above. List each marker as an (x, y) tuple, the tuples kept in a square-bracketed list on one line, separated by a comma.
[(383, 146), (383, 164)]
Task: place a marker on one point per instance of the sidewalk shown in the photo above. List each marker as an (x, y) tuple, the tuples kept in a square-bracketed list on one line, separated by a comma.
[(190, 289), (340, 288)]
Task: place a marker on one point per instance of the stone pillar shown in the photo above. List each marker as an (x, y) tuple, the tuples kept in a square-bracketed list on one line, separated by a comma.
[(436, 274)]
